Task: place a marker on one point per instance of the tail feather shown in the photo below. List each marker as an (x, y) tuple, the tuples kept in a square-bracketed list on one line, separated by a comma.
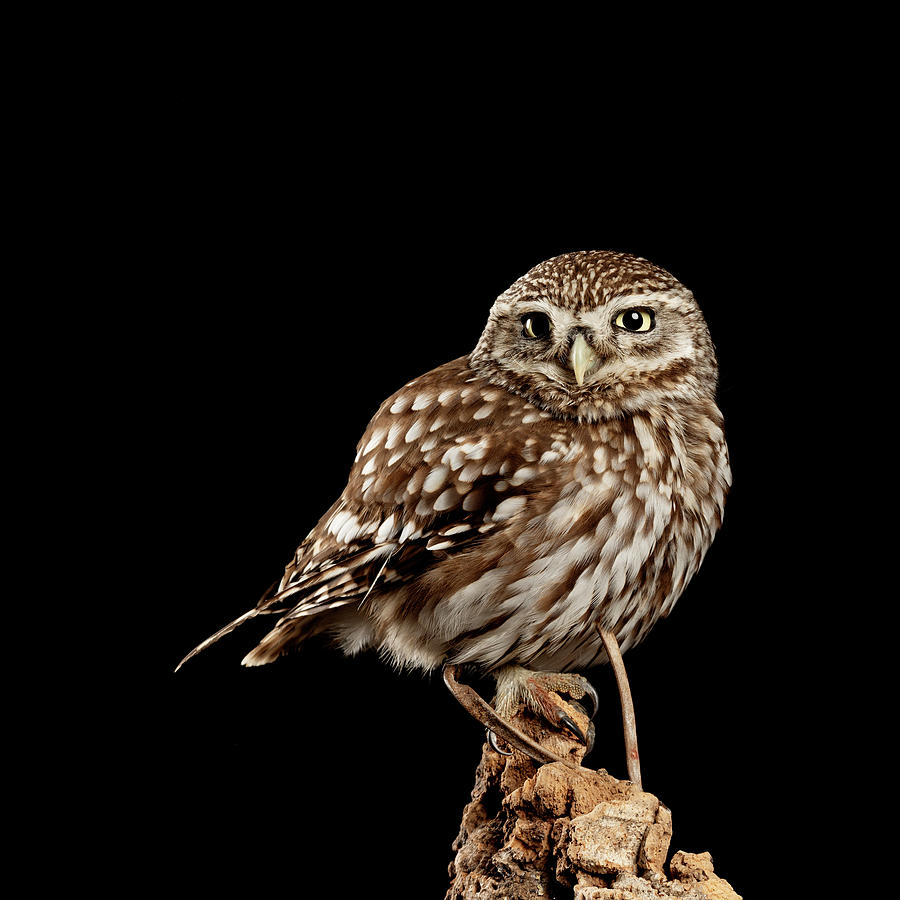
[(283, 637), (268, 650), (220, 634), (259, 609), (320, 593)]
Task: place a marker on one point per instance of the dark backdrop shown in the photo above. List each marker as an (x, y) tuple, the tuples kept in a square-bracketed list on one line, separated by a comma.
[(284, 300)]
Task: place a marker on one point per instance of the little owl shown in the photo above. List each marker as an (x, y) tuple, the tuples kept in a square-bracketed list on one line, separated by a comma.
[(569, 474)]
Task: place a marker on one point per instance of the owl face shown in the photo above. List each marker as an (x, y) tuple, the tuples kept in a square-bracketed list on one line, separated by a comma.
[(588, 335)]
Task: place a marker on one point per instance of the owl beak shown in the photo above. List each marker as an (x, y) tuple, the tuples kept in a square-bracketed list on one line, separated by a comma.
[(581, 358)]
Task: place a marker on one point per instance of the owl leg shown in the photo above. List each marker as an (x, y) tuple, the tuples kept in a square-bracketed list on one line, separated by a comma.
[(540, 691), (633, 759)]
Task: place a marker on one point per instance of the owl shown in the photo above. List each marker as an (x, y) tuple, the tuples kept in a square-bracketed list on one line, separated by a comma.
[(568, 473)]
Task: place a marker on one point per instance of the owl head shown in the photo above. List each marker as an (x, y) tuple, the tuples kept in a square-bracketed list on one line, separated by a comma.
[(591, 334)]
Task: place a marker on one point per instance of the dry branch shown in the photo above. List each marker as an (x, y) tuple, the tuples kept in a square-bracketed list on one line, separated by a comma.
[(563, 831)]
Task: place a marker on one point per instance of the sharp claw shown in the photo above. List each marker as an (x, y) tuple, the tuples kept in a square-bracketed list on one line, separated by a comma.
[(595, 700), (567, 722), (492, 740)]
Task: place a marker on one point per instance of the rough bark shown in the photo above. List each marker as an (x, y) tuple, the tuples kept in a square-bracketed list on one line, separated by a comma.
[(557, 831)]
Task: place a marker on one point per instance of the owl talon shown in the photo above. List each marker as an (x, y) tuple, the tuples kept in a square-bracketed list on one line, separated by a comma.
[(591, 693), (540, 692), (567, 723), (553, 709), (492, 740)]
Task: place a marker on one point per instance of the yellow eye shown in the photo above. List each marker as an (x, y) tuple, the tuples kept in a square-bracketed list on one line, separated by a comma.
[(635, 320)]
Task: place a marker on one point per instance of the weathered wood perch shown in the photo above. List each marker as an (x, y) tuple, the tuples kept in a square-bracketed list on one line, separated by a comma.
[(559, 830)]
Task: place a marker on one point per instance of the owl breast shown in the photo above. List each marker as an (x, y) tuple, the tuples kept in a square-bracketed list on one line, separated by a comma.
[(574, 524)]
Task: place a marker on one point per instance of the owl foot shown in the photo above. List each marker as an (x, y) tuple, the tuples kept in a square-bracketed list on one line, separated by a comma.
[(540, 692), (497, 726)]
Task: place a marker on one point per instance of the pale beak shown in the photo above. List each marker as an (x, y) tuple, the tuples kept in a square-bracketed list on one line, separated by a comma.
[(581, 358)]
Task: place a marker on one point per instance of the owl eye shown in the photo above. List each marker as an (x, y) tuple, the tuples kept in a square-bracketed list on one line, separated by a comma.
[(635, 320), (536, 325)]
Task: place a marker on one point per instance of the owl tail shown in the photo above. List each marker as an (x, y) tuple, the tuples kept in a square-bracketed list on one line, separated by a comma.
[(259, 609), (286, 635), (219, 634)]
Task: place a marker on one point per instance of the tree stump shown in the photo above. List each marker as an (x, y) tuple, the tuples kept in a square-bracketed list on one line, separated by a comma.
[(563, 831)]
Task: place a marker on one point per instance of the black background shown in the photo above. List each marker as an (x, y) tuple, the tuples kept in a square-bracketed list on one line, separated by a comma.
[(285, 275)]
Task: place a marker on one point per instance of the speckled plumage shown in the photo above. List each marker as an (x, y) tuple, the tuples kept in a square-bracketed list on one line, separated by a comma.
[(497, 509)]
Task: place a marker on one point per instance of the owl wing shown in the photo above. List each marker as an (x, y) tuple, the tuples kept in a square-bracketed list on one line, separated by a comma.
[(443, 463), (434, 473)]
